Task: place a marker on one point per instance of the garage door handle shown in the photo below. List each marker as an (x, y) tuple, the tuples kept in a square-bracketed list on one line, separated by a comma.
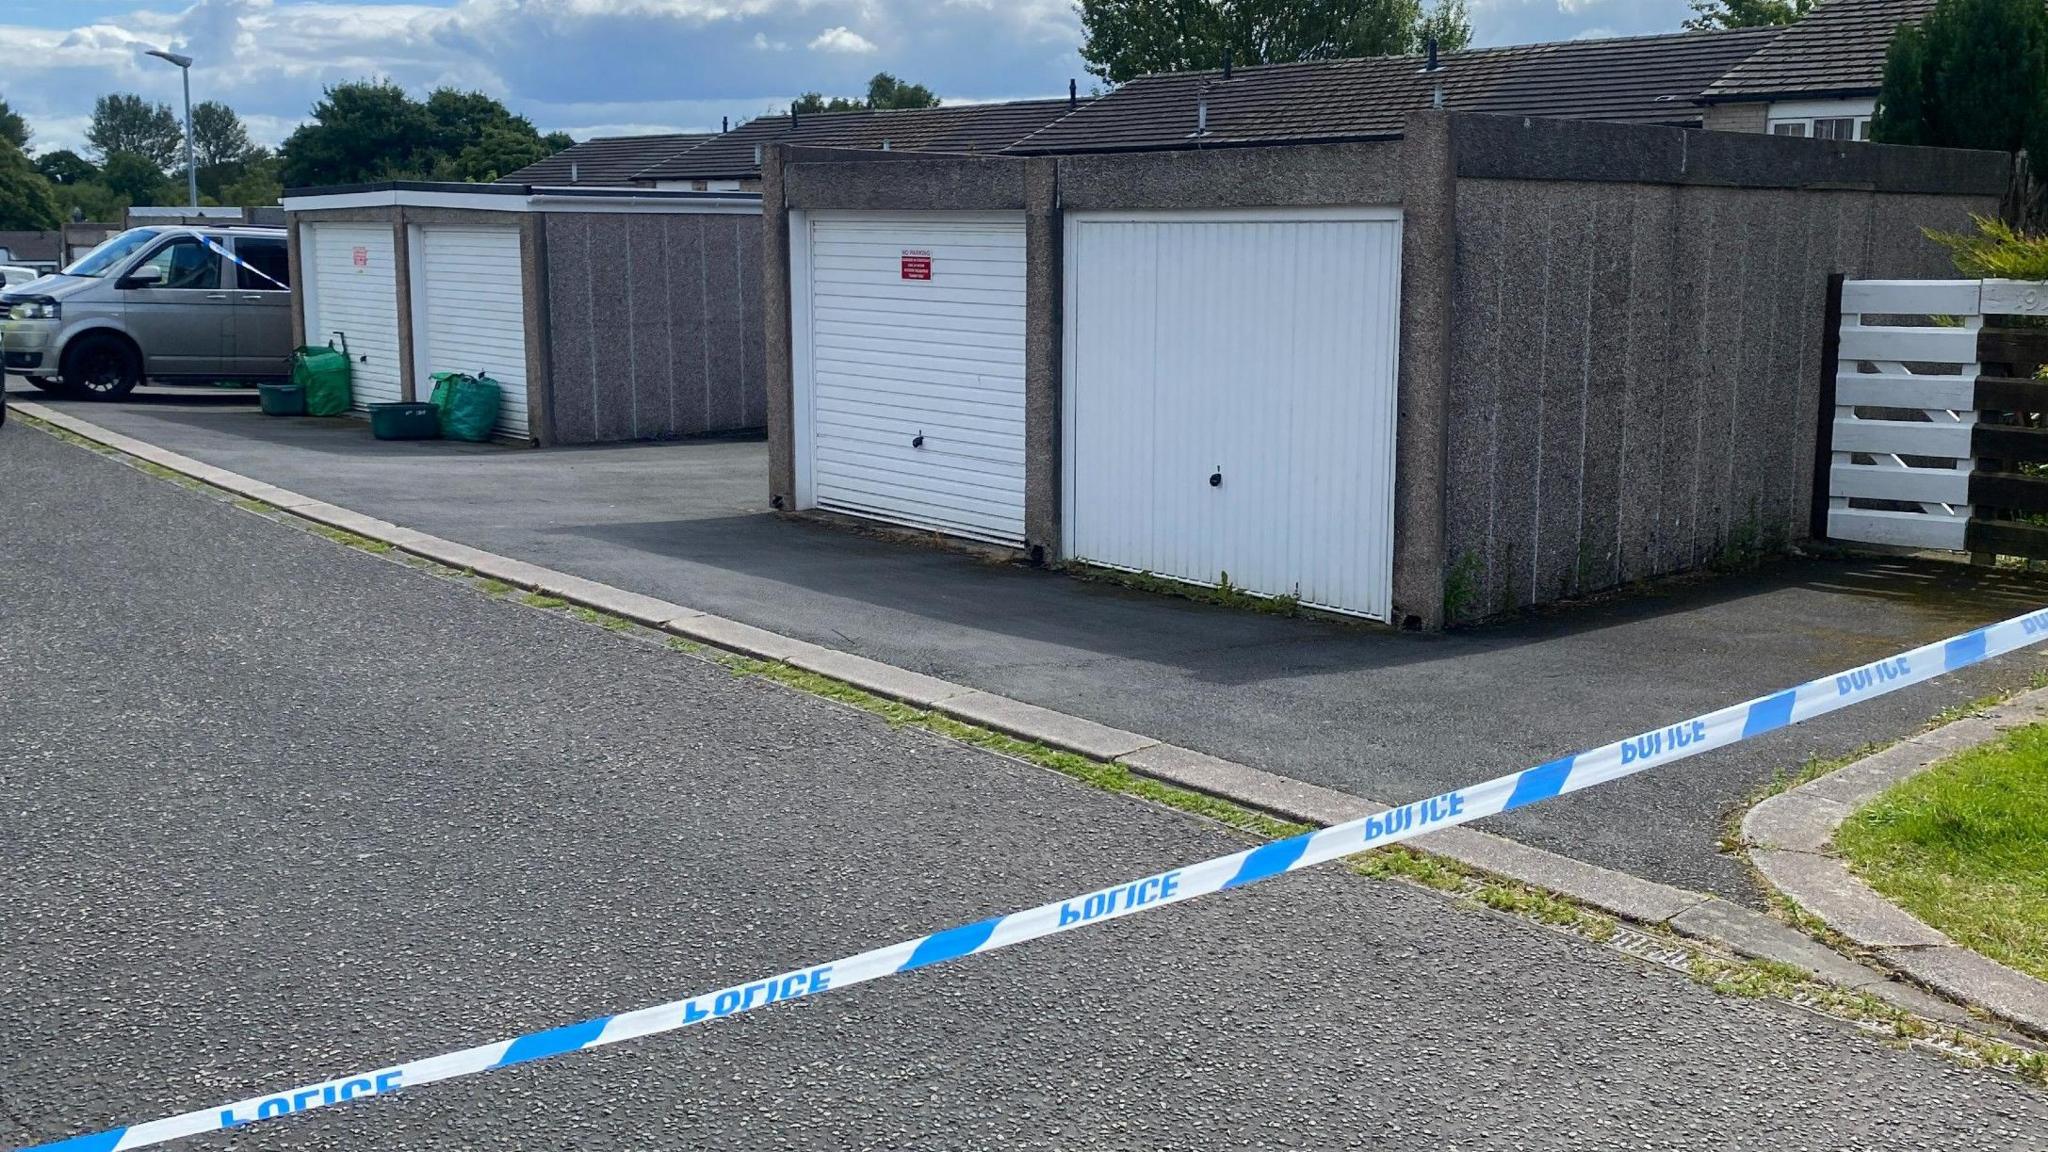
[(1216, 478), (917, 441)]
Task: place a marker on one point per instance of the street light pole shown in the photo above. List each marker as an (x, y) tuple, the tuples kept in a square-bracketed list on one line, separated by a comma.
[(184, 64)]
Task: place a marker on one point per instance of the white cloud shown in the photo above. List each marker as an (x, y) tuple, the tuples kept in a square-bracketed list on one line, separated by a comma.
[(762, 42), (842, 39)]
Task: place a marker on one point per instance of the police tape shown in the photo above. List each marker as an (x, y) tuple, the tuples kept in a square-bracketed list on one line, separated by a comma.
[(1504, 794)]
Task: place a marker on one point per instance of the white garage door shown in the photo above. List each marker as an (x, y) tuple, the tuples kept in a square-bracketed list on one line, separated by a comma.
[(1229, 399), (469, 301), (910, 369), (354, 285)]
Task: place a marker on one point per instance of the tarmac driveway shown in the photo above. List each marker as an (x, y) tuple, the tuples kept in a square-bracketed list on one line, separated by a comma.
[(1385, 715)]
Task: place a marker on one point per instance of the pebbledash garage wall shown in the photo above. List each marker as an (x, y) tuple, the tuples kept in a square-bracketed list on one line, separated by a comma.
[(608, 314), (1608, 335)]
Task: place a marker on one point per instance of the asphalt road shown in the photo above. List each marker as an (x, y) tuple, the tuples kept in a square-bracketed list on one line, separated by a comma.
[(1390, 716), (278, 810)]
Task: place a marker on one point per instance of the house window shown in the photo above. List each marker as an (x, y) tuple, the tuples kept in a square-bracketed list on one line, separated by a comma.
[(1789, 128), (1835, 128)]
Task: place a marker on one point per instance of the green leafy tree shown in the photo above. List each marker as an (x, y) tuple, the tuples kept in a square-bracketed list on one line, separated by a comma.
[(1129, 38), (1711, 15), (137, 179), (13, 129), (123, 122), (25, 200), (360, 131), (1974, 74), (91, 200), (372, 130), (558, 142), (257, 184), (884, 91), (218, 135), (66, 167)]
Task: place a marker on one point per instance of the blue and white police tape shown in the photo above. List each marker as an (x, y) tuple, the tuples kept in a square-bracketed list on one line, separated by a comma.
[(1569, 774)]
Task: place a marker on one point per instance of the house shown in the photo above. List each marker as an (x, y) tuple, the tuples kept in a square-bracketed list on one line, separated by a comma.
[(1818, 77), (608, 161), (42, 251)]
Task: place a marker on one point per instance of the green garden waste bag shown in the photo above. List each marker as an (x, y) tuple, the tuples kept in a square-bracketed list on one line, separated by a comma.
[(444, 382), (324, 374), (468, 406)]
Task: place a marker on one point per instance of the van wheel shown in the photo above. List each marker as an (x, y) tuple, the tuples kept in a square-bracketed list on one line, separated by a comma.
[(102, 368)]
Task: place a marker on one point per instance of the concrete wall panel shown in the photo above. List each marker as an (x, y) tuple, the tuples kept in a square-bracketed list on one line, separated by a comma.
[(653, 325), (1635, 389)]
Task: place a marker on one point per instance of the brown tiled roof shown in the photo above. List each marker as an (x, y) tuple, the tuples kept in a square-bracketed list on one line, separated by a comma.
[(37, 246), (606, 161), (1640, 80), (959, 128), (1837, 49)]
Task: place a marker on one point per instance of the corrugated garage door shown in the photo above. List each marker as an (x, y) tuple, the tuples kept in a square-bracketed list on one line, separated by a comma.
[(910, 364), (469, 300), (1229, 399), (354, 282)]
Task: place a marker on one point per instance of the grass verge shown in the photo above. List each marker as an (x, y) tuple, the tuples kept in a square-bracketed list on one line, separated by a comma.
[(1964, 846)]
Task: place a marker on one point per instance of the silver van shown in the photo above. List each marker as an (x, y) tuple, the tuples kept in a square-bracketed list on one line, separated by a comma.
[(173, 304)]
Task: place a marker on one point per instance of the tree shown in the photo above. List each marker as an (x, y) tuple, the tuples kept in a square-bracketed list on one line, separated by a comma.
[(13, 129), (123, 122), (258, 183), (811, 102), (884, 91), (218, 137), (64, 167), (558, 142), (25, 201), (372, 130), (1974, 74), (138, 179), (1711, 15), (1129, 38)]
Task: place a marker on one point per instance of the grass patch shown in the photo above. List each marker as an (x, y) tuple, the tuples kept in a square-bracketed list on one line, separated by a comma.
[(493, 588), (603, 620), (542, 600), (256, 506), (1964, 846), (348, 539), (1398, 863)]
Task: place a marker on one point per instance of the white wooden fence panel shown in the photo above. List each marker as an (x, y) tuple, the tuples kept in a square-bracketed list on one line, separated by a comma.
[(1936, 345), (1911, 297), (1898, 482), (1902, 437), (2015, 298), (1902, 529), (1905, 390)]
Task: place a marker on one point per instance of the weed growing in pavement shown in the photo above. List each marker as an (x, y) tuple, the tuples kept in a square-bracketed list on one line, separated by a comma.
[(1224, 594), (256, 506), (603, 620), (1398, 863), (542, 600), (347, 538), (687, 646), (492, 588)]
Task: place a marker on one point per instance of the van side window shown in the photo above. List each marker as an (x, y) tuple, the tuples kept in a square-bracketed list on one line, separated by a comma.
[(269, 266), (185, 264)]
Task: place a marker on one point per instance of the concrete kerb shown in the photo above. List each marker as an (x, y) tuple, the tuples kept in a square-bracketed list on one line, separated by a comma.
[(1789, 839), (1743, 931)]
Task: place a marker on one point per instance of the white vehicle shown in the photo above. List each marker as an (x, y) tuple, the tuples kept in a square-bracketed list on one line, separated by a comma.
[(12, 275)]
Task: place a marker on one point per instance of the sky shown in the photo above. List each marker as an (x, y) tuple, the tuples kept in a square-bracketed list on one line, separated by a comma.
[(597, 67)]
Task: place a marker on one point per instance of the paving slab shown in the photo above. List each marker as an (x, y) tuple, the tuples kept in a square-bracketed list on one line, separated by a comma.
[(1825, 887), (1056, 729), (1797, 821), (1752, 933), (879, 678), (1245, 785), (1618, 892), (1977, 979), (633, 606)]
